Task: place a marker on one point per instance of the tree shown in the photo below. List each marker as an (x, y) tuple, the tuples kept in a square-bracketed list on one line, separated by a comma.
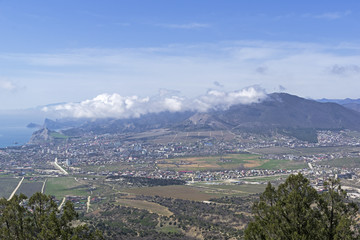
[(338, 215), (39, 218), (295, 210)]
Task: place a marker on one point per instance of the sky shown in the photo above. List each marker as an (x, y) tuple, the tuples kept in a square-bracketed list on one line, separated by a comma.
[(87, 54)]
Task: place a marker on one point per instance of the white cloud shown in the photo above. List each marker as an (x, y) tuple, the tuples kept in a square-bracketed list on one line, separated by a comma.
[(117, 106)]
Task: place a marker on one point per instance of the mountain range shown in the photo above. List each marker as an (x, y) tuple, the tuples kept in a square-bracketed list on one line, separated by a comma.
[(279, 111), (353, 104)]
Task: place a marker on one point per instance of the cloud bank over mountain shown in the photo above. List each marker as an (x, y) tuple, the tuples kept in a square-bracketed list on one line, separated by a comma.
[(117, 106)]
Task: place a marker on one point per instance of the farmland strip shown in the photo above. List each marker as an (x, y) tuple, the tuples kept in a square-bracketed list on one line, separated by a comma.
[(17, 187)]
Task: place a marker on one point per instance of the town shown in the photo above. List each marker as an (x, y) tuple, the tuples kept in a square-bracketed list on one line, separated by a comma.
[(159, 155)]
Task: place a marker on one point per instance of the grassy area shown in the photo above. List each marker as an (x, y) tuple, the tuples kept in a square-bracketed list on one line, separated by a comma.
[(62, 186), (149, 206), (229, 161), (343, 162), (58, 135), (170, 229)]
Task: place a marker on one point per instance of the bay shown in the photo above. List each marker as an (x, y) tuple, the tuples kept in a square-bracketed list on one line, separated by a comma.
[(14, 136), (13, 130)]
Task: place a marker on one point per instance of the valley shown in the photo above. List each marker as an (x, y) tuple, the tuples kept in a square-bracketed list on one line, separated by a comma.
[(191, 180)]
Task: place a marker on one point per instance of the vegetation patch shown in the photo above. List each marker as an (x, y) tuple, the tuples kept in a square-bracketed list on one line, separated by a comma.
[(62, 186), (170, 229), (144, 181), (57, 135), (303, 134), (149, 206)]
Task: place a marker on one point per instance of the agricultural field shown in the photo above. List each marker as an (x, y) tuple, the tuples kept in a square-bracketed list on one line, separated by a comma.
[(178, 191), (30, 187), (199, 191), (62, 186), (7, 186), (229, 161)]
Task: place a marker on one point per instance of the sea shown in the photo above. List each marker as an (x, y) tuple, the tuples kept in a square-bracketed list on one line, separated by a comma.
[(13, 127), (14, 135)]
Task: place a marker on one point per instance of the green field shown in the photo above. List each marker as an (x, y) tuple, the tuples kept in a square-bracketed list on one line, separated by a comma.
[(62, 186), (229, 161), (57, 135)]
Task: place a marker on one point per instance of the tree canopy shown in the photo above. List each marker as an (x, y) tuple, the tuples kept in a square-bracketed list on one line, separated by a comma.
[(295, 210), (39, 218)]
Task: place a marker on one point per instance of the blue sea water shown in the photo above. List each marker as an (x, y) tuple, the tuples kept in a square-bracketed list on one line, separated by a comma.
[(14, 135), (13, 130)]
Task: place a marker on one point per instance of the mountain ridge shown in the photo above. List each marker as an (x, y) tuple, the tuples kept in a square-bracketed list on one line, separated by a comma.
[(277, 111)]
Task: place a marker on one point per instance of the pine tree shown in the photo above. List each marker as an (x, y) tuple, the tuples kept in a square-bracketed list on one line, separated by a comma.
[(39, 218), (295, 210)]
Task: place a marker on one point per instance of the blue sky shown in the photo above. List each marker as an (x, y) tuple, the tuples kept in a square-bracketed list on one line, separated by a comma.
[(72, 51)]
